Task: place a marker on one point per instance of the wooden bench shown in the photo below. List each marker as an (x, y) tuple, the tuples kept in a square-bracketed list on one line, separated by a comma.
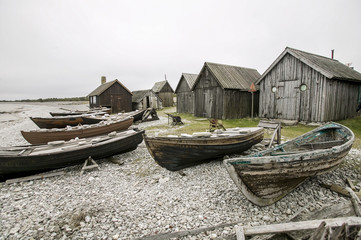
[(176, 120)]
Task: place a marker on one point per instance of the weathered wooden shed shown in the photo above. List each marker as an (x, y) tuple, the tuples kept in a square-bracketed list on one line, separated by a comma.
[(144, 99), (185, 96), (113, 95), (221, 91), (165, 92), (307, 87)]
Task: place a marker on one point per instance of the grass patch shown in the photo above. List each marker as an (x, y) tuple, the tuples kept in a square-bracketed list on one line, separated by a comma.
[(197, 124)]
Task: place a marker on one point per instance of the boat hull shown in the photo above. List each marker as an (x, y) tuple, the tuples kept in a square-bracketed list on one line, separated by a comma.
[(58, 122), (265, 179), (64, 155), (42, 137), (175, 154)]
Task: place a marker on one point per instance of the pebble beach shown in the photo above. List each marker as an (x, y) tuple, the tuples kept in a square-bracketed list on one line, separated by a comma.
[(131, 197)]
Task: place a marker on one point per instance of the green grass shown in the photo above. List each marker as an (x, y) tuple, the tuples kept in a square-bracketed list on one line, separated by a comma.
[(197, 124)]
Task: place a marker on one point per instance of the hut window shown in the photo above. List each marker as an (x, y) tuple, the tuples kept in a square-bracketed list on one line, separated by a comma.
[(303, 87), (274, 89), (94, 99)]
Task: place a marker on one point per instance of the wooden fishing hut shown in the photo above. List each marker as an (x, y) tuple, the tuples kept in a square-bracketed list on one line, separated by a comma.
[(185, 96), (307, 87), (222, 91), (165, 92), (113, 95), (144, 99)]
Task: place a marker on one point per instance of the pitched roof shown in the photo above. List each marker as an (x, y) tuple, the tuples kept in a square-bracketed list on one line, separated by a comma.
[(99, 90), (189, 78), (330, 68), (140, 94), (231, 77), (159, 85)]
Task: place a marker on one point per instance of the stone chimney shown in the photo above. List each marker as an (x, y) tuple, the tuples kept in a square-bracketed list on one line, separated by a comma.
[(103, 80)]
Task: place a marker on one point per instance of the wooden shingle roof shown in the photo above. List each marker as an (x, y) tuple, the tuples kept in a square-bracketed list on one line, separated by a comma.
[(328, 67), (190, 79), (99, 90), (232, 77)]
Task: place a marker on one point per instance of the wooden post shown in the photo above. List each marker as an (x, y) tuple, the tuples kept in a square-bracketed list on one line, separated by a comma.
[(252, 108)]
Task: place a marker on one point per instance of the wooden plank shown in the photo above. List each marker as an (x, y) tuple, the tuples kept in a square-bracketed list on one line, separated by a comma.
[(355, 201), (300, 226), (239, 232), (349, 182), (34, 177)]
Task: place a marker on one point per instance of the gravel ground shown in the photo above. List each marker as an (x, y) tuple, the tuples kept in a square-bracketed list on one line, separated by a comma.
[(137, 198)]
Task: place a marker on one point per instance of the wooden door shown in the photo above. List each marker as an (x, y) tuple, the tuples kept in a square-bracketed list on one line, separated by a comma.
[(208, 103), (288, 100), (116, 103)]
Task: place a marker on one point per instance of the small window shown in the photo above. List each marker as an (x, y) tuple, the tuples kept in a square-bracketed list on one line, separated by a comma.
[(303, 87), (274, 89)]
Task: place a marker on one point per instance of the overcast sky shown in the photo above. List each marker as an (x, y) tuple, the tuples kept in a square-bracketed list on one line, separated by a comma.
[(62, 48)]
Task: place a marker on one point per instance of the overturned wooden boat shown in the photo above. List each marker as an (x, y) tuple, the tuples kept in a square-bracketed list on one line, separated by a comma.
[(175, 153), (267, 176), (58, 154), (61, 121), (42, 136)]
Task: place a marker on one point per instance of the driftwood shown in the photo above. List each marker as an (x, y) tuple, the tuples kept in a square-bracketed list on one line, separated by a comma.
[(35, 177), (340, 189), (298, 226)]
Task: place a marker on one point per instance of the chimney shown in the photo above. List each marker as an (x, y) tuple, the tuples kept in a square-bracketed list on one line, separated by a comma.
[(332, 52), (103, 80)]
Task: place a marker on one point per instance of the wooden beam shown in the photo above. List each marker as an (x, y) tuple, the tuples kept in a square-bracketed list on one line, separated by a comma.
[(300, 226), (349, 182), (239, 232), (34, 177)]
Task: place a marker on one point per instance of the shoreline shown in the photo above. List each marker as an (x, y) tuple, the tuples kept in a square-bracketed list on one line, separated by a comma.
[(138, 198)]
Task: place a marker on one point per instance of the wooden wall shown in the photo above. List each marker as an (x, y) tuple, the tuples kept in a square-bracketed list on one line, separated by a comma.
[(323, 100), (166, 94), (211, 101), (116, 97), (185, 98)]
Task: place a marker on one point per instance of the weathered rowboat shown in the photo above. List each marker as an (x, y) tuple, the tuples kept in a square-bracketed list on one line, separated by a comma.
[(91, 119), (91, 111), (175, 153), (58, 154), (267, 176), (61, 121), (42, 136)]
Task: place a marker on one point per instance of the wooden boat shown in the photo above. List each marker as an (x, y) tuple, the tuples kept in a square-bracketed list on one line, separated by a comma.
[(58, 154), (91, 111), (91, 118), (175, 153), (42, 136), (60, 121), (267, 176)]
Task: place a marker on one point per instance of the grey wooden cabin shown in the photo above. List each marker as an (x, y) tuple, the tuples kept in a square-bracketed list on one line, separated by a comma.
[(144, 99), (307, 87), (165, 92), (185, 96), (221, 91), (113, 95)]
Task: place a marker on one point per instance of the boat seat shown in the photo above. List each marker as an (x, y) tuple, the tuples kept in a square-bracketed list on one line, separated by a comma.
[(322, 145)]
